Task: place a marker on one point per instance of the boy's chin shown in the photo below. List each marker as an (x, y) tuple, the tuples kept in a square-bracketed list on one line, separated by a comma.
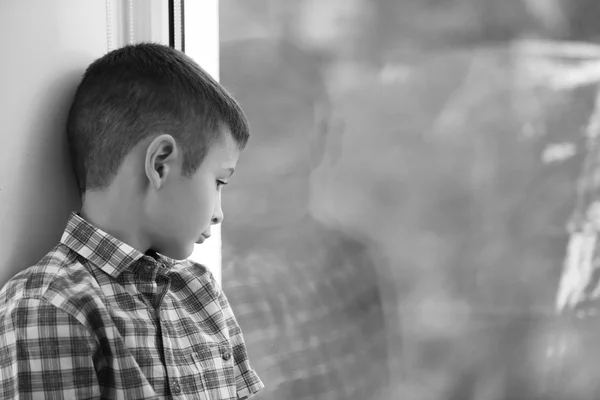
[(179, 252)]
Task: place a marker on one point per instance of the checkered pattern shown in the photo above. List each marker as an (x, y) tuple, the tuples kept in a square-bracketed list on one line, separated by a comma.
[(96, 318)]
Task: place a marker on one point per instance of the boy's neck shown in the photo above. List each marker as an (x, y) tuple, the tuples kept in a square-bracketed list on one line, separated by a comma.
[(116, 215)]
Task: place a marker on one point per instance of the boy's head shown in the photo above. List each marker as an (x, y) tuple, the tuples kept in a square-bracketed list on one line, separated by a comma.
[(151, 127), (282, 90)]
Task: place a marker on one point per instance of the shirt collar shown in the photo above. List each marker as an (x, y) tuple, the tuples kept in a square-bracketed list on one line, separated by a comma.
[(102, 249)]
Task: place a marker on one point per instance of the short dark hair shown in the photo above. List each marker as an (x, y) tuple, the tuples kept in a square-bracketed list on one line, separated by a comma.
[(139, 91)]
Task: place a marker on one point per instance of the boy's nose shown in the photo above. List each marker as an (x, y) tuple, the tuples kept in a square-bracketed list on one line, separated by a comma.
[(217, 216)]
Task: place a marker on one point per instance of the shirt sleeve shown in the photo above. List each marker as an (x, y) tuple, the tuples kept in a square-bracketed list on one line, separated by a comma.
[(247, 380), (45, 353)]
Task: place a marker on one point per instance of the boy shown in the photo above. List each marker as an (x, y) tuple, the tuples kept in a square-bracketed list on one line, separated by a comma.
[(110, 312)]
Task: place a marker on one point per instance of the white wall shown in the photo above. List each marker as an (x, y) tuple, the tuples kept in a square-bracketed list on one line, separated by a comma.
[(46, 45)]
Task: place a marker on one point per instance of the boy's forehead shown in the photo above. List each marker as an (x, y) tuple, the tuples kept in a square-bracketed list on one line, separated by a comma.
[(227, 141), (225, 152)]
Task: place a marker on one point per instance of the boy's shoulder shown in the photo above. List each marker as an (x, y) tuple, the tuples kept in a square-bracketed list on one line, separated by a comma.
[(58, 278), (63, 279)]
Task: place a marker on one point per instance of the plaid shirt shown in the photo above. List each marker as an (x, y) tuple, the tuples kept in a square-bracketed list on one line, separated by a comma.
[(96, 318)]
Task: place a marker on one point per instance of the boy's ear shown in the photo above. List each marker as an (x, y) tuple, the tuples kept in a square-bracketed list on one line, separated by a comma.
[(161, 155)]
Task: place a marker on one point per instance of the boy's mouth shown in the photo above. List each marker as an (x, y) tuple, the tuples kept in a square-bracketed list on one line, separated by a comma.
[(202, 238)]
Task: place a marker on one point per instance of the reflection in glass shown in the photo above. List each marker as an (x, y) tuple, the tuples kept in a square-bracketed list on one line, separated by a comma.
[(398, 224)]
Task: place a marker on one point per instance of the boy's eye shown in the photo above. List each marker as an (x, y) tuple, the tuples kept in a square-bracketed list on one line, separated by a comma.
[(220, 183)]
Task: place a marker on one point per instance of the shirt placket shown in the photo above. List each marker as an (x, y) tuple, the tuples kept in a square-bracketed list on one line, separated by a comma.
[(173, 373), (154, 285)]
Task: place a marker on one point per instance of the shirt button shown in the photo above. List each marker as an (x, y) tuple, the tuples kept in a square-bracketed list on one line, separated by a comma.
[(176, 389), (227, 356)]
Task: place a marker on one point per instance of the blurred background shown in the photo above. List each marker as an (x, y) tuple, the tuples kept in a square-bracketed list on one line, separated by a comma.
[(414, 217)]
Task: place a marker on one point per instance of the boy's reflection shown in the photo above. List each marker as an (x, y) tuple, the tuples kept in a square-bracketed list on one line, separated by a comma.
[(307, 295)]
